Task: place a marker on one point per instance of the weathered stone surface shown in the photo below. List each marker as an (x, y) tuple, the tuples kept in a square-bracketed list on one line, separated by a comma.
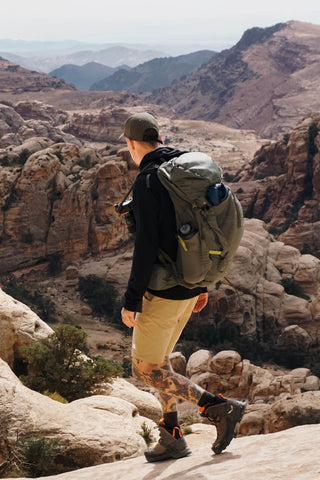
[(61, 202), (299, 410), (253, 297), (146, 403), (101, 127), (294, 337), (281, 186), (198, 362), (18, 326), (225, 373), (91, 431), (224, 362), (39, 111), (286, 455)]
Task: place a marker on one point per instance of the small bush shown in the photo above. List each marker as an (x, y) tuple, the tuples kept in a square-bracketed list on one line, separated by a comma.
[(55, 264), (56, 364), (292, 287), (40, 304), (55, 396), (146, 434), (23, 157), (39, 455), (99, 294), (4, 161), (27, 238)]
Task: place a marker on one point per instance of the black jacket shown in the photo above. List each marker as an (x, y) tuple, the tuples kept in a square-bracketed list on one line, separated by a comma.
[(155, 228)]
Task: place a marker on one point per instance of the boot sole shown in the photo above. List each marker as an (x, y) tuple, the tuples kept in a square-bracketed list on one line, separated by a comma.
[(166, 456)]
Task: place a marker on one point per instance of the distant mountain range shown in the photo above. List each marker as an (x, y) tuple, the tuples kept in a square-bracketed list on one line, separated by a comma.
[(115, 56), (266, 82), (156, 73), (83, 77)]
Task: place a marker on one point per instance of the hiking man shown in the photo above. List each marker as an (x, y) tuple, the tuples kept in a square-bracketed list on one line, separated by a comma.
[(158, 316)]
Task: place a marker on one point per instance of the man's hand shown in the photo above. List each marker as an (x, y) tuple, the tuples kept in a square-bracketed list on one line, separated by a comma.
[(201, 302), (128, 318)]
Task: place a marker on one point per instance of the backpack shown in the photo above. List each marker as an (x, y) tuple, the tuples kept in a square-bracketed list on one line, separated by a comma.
[(209, 222)]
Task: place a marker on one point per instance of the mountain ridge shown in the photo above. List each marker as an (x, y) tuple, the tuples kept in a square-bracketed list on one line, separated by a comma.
[(155, 73), (266, 82)]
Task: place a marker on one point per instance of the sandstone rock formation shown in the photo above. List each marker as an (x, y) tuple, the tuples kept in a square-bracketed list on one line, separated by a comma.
[(94, 430), (59, 202), (281, 186), (146, 403), (104, 126), (18, 326), (30, 119), (301, 409), (286, 455), (266, 82), (228, 374), (253, 297)]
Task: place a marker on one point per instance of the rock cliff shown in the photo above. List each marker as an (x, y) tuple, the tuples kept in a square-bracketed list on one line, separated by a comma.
[(59, 201), (281, 186)]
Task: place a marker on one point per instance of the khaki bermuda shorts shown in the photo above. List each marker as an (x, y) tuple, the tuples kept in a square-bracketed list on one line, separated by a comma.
[(159, 327)]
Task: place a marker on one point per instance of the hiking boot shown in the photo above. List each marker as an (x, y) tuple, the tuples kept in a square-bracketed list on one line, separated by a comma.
[(171, 444), (225, 417)]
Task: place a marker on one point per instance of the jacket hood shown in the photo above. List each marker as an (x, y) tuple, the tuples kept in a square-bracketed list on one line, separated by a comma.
[(160, 155)]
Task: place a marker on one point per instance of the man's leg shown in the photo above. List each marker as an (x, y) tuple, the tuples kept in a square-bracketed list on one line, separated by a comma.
[(159, 327)]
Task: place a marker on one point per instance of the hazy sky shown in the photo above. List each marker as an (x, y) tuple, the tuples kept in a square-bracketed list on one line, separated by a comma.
[(162, 21)]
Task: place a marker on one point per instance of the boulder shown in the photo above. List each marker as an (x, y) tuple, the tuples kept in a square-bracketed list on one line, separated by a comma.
[(19, 326), (91, 431), (224, 362), (198, 362), (301, 409), (294, 338), (178, 362), (146, 403)]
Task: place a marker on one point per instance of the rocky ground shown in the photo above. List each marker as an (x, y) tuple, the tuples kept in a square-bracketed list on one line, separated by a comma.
[(287, 455)]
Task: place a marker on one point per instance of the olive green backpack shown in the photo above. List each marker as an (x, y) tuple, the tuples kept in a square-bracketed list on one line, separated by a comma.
[(209, 223)]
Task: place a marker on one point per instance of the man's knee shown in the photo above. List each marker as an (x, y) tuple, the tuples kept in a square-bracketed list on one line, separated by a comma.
[(144, 370)]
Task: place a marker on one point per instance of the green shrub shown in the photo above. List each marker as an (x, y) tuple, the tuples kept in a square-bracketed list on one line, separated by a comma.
[(146, 434), (292, 287), (57, 364), (55, 396), (39, 455), (40, 304), (99, 294), (55, 264), (27, 238), (23, 157), (4, 161)]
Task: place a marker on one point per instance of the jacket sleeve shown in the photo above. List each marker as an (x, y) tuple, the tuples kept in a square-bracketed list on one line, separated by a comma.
[(146, 209)]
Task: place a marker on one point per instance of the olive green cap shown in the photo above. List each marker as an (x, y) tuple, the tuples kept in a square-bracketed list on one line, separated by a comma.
[(142, 127)]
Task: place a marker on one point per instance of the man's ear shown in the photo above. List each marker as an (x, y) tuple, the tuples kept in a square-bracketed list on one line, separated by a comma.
[(131, 143)]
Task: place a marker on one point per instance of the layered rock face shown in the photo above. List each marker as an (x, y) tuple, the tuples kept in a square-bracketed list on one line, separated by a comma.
[(282, 186), (100, 127), (60, 201)]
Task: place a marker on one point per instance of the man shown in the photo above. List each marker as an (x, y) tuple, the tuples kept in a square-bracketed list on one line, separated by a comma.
[(162, 314)]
